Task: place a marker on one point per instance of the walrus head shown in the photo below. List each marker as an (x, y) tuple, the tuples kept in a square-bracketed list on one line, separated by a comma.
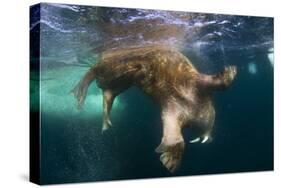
[(194, 111)]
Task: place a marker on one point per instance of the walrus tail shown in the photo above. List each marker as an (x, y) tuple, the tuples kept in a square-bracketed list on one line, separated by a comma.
[(220, 81), (80, 90)]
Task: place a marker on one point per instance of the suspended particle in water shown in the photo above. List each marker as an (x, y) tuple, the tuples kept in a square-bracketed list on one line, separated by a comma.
[(252, 68)]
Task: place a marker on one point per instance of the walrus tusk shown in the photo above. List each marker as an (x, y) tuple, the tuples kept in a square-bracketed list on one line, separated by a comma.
[(195, 140), (206, 138)]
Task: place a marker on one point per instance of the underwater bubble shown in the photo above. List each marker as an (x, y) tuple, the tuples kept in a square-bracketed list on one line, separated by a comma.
[(252, 68)]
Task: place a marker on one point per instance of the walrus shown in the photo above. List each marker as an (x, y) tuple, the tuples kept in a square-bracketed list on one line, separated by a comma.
[(165, 74)]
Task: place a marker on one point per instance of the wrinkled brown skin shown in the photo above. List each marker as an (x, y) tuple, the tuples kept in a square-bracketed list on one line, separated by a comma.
[(171, 80)]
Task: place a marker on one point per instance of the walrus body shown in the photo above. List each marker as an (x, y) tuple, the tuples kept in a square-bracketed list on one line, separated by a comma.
[(171, 80)]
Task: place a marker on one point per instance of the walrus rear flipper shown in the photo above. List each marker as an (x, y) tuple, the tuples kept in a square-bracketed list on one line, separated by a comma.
[(80, 90), (220, 81)]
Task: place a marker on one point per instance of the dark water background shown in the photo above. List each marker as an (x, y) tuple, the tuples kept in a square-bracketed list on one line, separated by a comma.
[(72, 146)]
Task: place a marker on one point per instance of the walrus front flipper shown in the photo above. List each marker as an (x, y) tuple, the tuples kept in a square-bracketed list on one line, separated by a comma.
[(80, 90), (220, 81), (108, 99), (172, 144)]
